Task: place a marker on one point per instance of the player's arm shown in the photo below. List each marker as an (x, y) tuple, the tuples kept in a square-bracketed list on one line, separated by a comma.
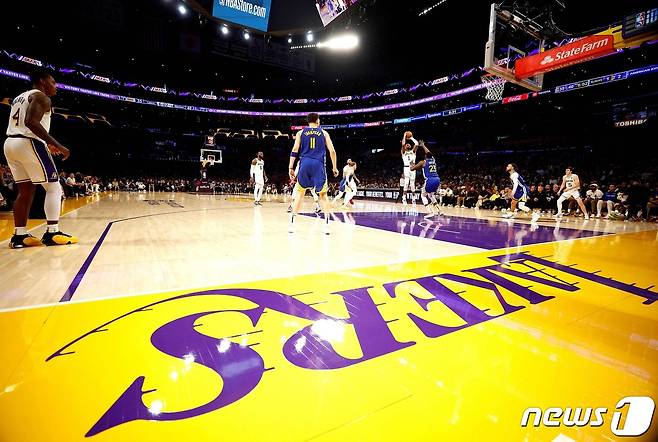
[(293, 155), (559, 191), (356, 179), (413, 140), (332, 152), (515, 182), (38, 105), (418, 165), (252, 171)]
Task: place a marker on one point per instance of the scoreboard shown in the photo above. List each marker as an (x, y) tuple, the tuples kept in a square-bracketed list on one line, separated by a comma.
[(640, 23)]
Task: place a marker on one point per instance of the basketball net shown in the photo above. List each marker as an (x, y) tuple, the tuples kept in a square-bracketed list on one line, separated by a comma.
[(495, 87)]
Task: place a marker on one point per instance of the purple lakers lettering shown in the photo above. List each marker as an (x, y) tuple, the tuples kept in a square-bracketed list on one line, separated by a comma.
[(240, 368)]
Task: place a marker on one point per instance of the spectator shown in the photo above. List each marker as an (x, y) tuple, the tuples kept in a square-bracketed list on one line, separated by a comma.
[(592, 198), (609, 199)]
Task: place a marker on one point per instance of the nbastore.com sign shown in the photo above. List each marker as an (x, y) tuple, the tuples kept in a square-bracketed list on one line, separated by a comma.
[(562, 56)]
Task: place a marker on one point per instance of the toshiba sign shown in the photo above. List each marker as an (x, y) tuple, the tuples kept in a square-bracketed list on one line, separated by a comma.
[(572, 53)]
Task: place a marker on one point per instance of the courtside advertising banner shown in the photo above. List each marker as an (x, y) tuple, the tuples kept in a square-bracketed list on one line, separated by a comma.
[(250, 13)]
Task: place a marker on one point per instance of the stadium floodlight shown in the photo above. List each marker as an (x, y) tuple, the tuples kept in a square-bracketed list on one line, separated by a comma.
[(182, 9), (309, 36), (289, 40), (246, 35), (340, 43), (224, 29)]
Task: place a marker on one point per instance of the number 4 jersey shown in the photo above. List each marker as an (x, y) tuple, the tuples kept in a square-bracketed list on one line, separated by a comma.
[(17, 125)]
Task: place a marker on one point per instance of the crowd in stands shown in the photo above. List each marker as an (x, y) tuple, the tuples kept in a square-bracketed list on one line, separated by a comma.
[(611, 193)]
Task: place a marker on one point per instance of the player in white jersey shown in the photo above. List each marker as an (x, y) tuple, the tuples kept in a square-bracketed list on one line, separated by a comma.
[(29, 149), (408, 153), (347, 184), (258, 177), (571, 186)]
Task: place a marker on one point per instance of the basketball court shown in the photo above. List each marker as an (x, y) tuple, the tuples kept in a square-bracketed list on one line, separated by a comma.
[(187, 314), (198, 316)]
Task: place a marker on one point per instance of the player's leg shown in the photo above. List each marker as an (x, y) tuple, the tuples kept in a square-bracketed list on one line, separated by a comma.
[(341, 190), (349, 194), (261, 186), (316, 200), (426, 202), (19, 154), (512, 211), (53, 208), (298, 197), (579, 200), (559, 203), (412, 187), (326, 207), (405, 188)]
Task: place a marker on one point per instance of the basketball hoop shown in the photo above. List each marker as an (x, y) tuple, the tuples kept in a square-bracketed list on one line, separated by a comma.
[(495, 87)]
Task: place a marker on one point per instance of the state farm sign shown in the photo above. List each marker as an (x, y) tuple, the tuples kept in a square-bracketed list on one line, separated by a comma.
[(576, 52)]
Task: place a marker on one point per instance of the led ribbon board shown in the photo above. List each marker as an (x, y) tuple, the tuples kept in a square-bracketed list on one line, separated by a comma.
[(250, 13)]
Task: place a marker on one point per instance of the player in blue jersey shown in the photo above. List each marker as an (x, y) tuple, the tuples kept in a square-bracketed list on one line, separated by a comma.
[(311, 146), (519, 194), (432, 181)]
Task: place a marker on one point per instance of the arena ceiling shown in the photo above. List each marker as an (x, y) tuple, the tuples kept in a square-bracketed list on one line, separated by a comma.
[(149, 40)]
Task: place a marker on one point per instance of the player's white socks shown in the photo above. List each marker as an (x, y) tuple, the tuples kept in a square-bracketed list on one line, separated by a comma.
[(53, 202), (20, 231), (52, 228), (523, 207)]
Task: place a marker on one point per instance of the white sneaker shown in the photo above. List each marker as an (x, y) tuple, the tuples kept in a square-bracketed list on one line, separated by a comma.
[(508, 215), (326, 229), (291, 228), (535, 217), (586, 217)]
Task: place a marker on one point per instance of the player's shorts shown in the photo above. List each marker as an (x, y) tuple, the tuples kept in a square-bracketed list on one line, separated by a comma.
[(30, 160), (572, 193), (312, 174), (432, 185), (341, 188), (521, 193), (259, 183)]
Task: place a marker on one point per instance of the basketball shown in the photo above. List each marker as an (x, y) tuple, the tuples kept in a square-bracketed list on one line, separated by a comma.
[(408, 134)]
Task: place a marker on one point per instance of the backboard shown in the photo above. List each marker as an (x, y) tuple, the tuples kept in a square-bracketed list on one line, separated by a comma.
[(210, 156), (512, 36)]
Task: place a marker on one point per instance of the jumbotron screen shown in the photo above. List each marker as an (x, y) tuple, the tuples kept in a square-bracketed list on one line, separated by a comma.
[(330, 9), (250, 13)]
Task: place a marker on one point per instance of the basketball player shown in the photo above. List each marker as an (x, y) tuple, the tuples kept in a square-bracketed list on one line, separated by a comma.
[(432, 181), (258, 177), (571, 186), (519, 194), (408, 153), (29, 149), (311, 146), (347, 185)]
